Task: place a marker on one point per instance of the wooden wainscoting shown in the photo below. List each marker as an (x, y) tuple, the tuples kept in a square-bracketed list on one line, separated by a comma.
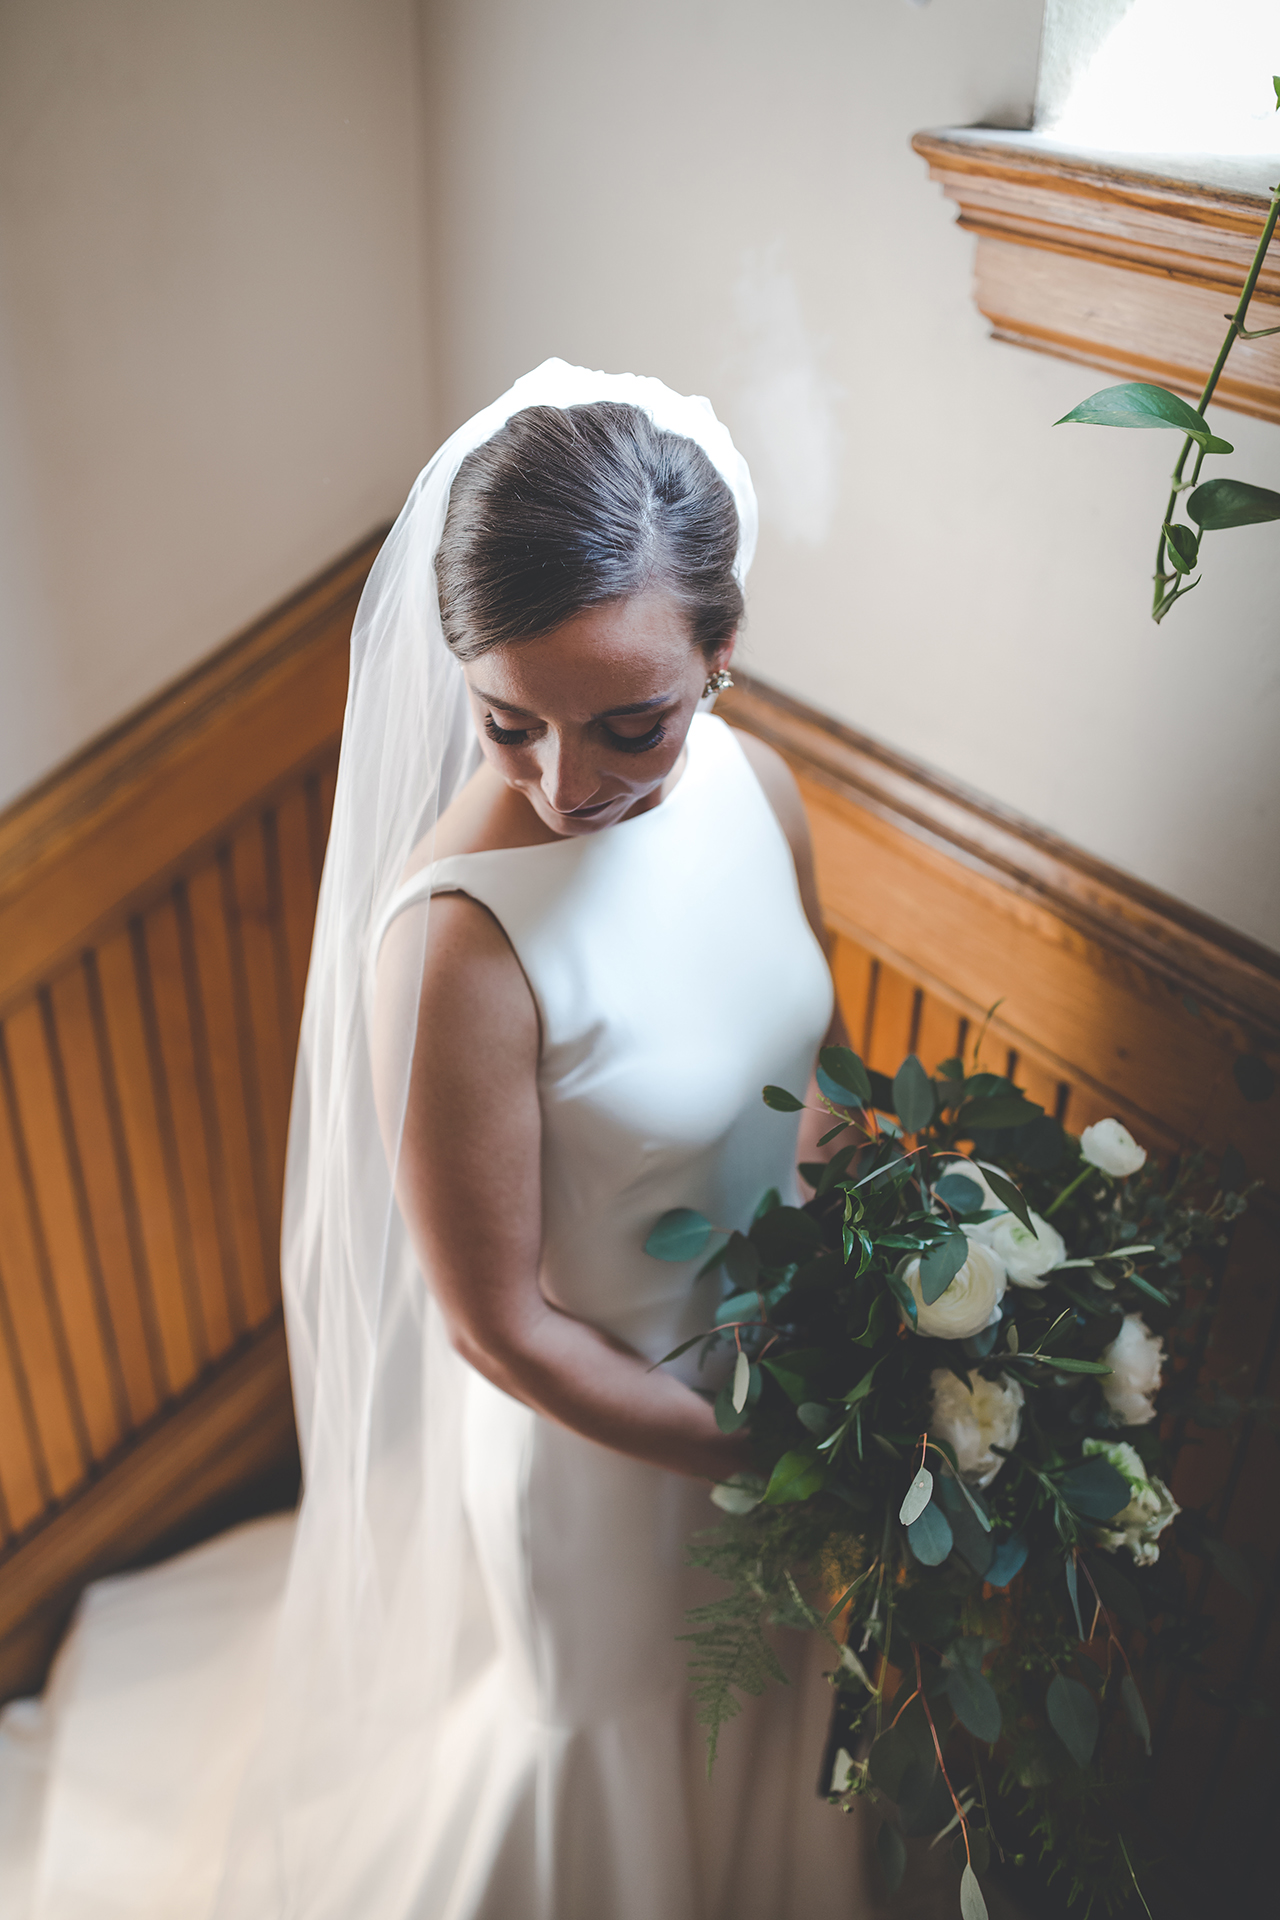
[(1113, 999), (156, 902)]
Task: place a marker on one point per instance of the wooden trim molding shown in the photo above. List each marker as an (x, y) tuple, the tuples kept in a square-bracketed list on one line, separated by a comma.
[(1130, 271)]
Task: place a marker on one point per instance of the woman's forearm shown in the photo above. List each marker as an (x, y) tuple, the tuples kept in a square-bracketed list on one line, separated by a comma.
[(574, 1374)]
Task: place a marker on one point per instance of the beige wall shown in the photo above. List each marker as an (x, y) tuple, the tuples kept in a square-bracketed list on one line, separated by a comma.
[(721, 192), (212, 348), (216, 358)]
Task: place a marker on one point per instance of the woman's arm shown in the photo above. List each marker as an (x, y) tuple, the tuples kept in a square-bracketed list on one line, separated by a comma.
[(469, 1186)]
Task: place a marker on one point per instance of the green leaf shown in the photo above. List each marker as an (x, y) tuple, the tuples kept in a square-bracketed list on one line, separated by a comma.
[(1002, 1110), (781, 1101), (917, 1497), (913, 1095), (728, 1417), (842, 1065), (1232, 503), (1182, 547), (1275, 81), (972, 1904), (1095, 1489), (785, 1234), (742, 1262), (940, 1265), (1008, 1561), (794, 1372), (892, 1854), (1073, 1589), (1138, 404), (680, 1234), (798, 1475), (905, 1299), (930, 1536), (816, 1418), (1061, 1363), (1145, 1286), (960, 1191), (1135, 1709), (1116, 1593), (973, 1701), (770, 1200), (1253, 1077), (1073, 1715), (741, 1382)]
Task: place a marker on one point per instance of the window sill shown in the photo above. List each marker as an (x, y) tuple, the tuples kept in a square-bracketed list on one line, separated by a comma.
[(1117, 261)]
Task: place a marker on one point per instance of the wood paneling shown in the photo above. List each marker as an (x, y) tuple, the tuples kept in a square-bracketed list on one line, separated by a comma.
[(1124, 270), (156, 903), (1112, 1000)]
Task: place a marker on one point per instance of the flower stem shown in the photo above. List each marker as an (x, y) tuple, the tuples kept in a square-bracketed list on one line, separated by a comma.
[(1067, 1192)]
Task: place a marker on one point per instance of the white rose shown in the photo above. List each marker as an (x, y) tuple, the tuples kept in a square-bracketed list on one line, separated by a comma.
[(1139, 1525), (1025, 1256), (1111, 1147), (1135, 1358), (975, 1422), (970, 1303)]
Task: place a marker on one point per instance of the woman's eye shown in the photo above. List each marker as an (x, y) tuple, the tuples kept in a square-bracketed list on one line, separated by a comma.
[(505, 736), (640, 742)]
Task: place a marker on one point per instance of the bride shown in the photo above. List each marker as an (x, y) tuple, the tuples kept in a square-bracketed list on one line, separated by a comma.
[(567, 931)]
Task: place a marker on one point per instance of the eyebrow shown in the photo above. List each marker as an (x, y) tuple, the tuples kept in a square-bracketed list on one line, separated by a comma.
[(610, 713)]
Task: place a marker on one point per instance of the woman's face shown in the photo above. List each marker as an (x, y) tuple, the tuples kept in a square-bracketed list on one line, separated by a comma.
[(588, 721)]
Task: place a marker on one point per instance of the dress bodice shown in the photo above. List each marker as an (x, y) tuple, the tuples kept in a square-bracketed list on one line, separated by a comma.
[(675, 973)]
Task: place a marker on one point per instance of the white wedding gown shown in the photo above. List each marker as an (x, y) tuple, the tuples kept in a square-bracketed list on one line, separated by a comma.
[(674, 974)]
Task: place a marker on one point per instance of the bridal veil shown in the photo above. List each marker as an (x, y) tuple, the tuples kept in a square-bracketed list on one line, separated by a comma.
[(379, 1628)]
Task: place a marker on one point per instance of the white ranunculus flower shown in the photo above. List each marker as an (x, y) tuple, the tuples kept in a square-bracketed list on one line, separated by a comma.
[(1135, 1358), (1111, 1147), (974, 1422), (970, 1303), (1024, 1256), (1139, 1525)]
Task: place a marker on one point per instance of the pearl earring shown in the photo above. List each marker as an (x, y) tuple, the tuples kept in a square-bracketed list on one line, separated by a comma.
[(719, 680)]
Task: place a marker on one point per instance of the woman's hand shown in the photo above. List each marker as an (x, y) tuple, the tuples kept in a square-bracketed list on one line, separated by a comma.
[(468, 1180)]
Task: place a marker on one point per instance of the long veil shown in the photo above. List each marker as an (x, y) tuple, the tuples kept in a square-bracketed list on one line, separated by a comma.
[(380, 1625)]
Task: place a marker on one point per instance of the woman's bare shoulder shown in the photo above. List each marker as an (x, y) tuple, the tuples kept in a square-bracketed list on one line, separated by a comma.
[(486, 817)]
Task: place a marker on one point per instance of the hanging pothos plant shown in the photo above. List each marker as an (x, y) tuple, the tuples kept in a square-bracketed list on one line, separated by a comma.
[(1211, 505)]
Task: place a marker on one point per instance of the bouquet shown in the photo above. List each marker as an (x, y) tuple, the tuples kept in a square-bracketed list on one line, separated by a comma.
[(947, 1362)]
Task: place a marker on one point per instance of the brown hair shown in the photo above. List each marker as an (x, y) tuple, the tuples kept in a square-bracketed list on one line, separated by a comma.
[(567, 508)]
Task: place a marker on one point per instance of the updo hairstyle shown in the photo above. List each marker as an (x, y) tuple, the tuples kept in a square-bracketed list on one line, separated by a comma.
[(567, 508)]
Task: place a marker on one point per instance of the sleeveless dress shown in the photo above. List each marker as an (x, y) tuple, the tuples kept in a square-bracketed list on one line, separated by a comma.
[(674, 974)]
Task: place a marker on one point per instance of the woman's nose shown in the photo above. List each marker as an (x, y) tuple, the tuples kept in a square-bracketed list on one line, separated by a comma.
[(568, 779)]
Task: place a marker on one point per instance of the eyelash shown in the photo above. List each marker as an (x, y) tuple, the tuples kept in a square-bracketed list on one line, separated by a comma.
[(516, 736)]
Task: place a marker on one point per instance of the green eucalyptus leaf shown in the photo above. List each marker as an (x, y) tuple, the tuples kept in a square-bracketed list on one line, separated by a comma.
[(781, 1101), (1008, 1560), (906, 1300), (842, 1065), (728, 1417), (1073, 1715), (939, 1267), (681, 1234), (972, 1904), (914, 1099), (917, 1497), (892, 1854), (1232, 503), (1073, 1590), (973, 1701), (1136, 403), (1001, 1110), (958, 1190), (1136, 1711), (1095, 1489), (815, 1418), (930, 1537), (797, 1476)]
